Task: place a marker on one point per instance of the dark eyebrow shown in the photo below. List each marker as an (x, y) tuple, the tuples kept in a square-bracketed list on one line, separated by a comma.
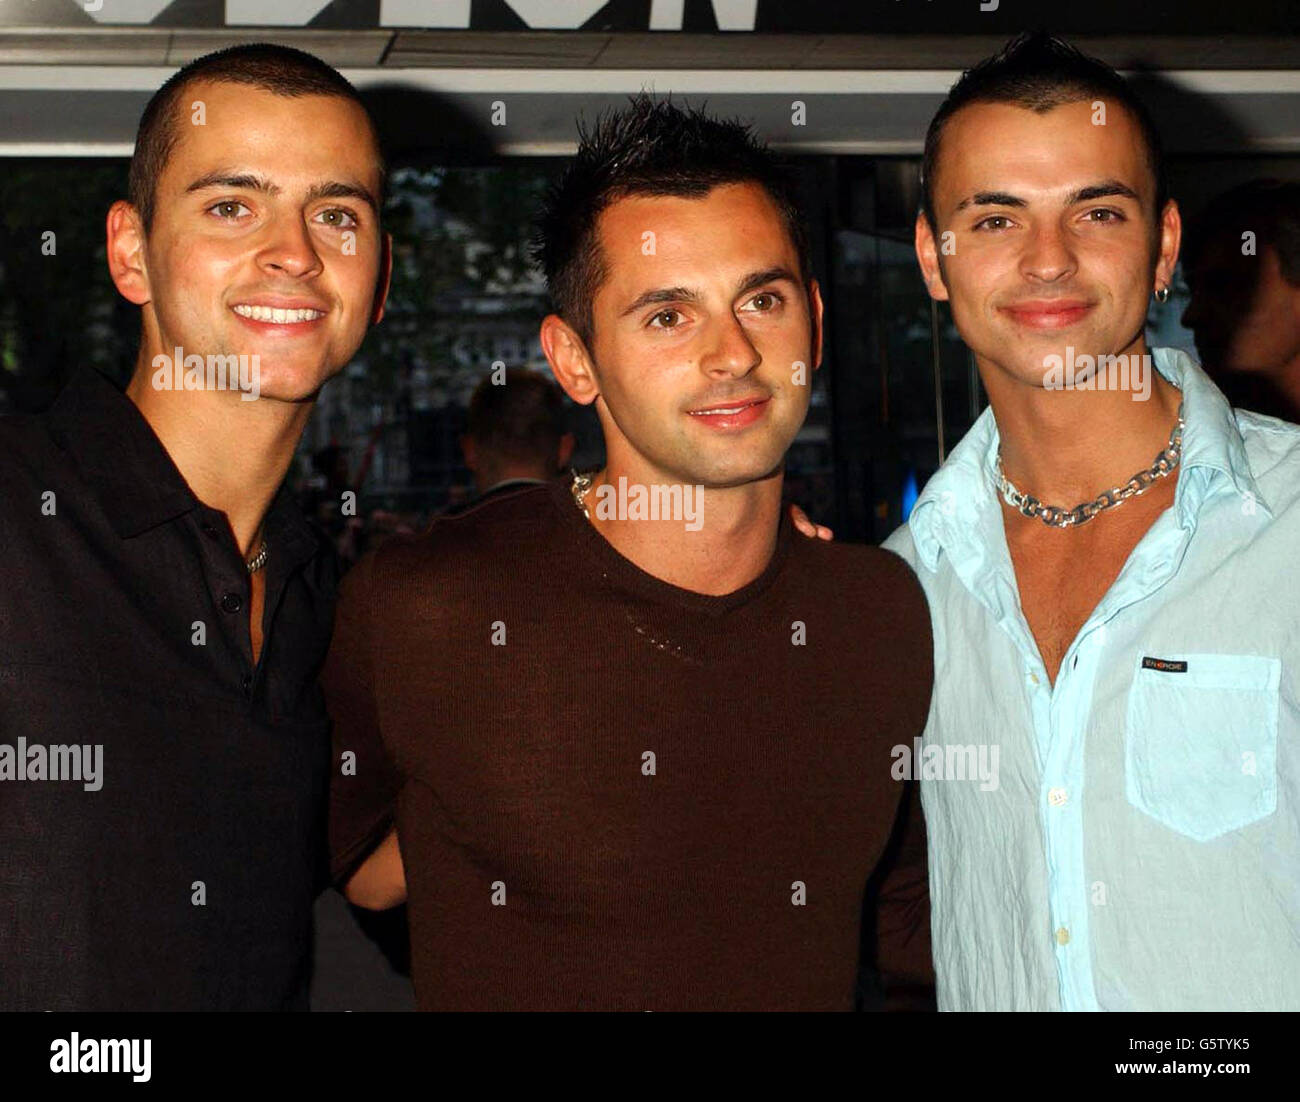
[(1083, 195), (236, 181), (1101, 191), (686, 294), (338, 189), (990, 199)]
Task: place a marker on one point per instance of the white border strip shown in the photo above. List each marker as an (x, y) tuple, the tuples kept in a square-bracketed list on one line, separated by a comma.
[(470, 81)]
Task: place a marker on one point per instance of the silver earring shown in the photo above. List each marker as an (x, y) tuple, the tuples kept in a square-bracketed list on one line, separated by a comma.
[(1162, 295)]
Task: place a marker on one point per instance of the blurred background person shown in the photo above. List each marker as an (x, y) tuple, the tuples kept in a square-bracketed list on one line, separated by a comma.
[(1241, 258), (516, 434)]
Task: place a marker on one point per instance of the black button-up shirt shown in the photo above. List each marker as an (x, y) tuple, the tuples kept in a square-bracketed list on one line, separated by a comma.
[(183, 875)]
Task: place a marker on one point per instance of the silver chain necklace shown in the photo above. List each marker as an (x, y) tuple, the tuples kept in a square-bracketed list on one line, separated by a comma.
[(1140, 483), (259, 560), (581, 484)]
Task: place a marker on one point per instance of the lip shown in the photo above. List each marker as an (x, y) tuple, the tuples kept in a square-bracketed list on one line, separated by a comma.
[(746, 412), (281, 302), (1049, 313)]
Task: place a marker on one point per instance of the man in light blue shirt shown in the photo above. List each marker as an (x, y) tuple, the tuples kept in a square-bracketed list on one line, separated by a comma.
[(1134, 667)]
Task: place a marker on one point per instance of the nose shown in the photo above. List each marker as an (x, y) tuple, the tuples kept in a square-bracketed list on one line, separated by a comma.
[(1048, 256), (289, 249), (731, 352)]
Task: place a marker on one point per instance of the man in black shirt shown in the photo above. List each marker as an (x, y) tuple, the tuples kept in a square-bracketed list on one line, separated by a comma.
[(165, 607)]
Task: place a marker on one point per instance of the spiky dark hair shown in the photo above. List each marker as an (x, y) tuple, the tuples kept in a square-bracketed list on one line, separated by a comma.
[(1039, 72), (652, 147)]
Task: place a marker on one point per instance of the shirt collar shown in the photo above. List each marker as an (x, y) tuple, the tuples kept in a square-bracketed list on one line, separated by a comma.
[(134, 479), (959, 504)]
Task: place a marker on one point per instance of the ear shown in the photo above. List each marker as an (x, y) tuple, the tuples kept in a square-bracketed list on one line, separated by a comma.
[(385, 279), (470, 451), (569, 360), (125, 238), (927, 255), (1171, 236), (815, 300)]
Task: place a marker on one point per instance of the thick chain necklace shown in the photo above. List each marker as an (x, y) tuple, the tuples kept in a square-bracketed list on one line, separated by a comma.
[(1140, 483), (259, 560)]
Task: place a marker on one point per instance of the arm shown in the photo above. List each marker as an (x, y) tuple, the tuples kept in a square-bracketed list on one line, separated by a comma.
[(903, 910), (365, 858), (380, 880)]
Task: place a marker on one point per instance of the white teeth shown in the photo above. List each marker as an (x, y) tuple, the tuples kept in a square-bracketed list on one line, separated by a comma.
[(716, 412), (277, 316)]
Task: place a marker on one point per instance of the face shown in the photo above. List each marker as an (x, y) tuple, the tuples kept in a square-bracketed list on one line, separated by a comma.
[(265, 238), (1045, 234), (1245, 315), (705, 339)]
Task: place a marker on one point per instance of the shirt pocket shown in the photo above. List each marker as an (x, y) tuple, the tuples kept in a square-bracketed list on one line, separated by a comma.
[(1201, 743)]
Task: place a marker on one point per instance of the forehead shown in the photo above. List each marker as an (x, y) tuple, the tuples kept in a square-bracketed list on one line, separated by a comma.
[(1003, 147), (284, 137), (731, 225)]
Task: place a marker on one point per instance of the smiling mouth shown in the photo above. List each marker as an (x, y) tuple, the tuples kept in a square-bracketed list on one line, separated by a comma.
[(1049, 315), (726, 411), (275, 315)]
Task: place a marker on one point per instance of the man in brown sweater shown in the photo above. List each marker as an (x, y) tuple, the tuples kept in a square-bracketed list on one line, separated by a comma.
[(624, 741)]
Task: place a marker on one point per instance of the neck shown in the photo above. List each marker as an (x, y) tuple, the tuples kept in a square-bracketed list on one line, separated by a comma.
[(233, 454), (488, 476), (722, 543), (1286, 381), (1067, 446)]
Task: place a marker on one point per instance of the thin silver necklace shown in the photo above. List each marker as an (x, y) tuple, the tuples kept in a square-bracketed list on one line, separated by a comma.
[(1140, 483)]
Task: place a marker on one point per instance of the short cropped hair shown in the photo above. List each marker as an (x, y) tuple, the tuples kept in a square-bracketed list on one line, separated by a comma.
[(1039, 72), (281, 70), (521, 420), (649, 148)]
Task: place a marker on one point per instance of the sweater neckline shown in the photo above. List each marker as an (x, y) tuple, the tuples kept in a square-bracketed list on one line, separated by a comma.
[(613, 563)]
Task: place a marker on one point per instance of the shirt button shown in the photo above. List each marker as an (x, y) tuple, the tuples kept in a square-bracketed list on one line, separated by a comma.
[(210, 530), (1062, 936), (246, 683), (232, 602), (1056, 796), (1034, 678)]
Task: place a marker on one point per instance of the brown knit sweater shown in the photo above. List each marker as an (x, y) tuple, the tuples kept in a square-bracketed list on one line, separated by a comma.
[(614, 793)]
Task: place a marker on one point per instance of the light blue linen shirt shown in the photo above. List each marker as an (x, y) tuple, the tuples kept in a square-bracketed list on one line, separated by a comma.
[(1141, 850)]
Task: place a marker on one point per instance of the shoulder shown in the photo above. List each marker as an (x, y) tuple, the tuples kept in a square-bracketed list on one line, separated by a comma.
[(860, 576), (26, 445), (504, 533)]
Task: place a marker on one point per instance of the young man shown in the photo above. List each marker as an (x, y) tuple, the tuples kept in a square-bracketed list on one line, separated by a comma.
[(627, 763), (166, 606), (1135, 665)]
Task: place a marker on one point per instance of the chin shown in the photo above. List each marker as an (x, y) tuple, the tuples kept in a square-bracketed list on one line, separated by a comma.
[(283, 383)]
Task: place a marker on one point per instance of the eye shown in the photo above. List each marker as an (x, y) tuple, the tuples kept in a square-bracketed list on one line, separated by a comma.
[(338, 218), (228, 209), (676, 314), (987, 223), (1104, 214), (766, 301)]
